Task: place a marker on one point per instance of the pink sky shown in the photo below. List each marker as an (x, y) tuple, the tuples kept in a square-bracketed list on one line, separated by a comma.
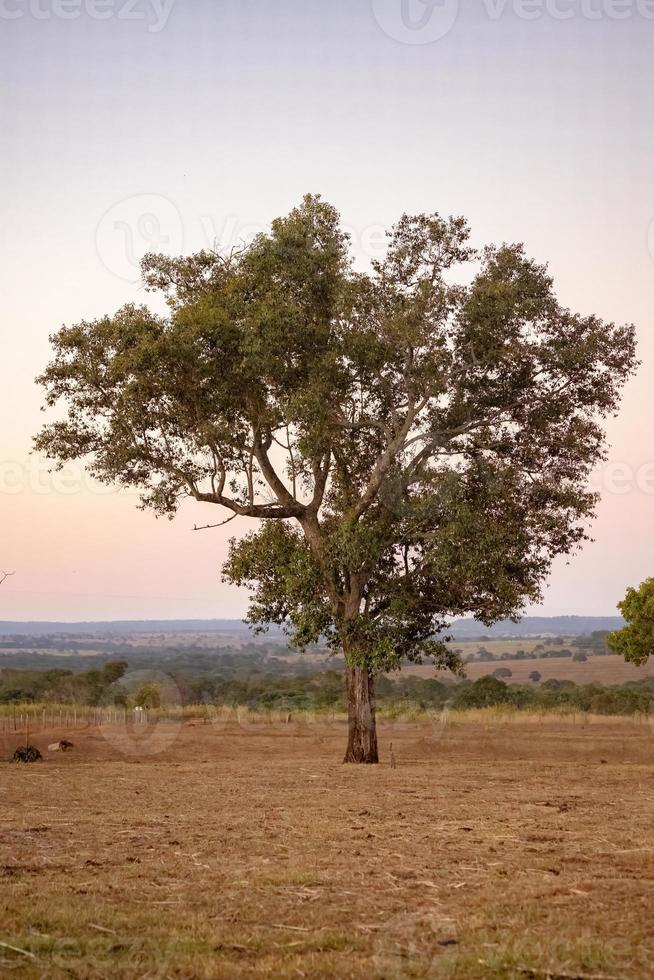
[(118, 139)]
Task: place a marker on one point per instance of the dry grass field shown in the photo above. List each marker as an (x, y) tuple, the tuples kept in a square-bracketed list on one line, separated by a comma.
[(501, 846), (596, 670), (605, 670)]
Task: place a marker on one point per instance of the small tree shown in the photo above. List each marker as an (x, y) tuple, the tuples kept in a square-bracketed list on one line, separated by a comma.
[(484, 655), (635, 642), (483, 693), (535, 676), (147, 696), (579, 657), (417, 449), (502, 672)]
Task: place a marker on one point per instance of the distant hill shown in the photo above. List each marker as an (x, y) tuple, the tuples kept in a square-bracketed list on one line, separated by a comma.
[(537, 626), (126, 626), (462, 629)]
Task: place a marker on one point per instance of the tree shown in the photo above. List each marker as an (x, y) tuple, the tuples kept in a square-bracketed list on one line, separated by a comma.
[(579, 657), (147, 696), (113, 670), (635, 642), (502, 672), (485, 655), (535, 676), (415, 449), (483, 693)]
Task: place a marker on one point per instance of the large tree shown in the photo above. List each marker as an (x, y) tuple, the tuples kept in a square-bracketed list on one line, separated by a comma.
[(415, 448)]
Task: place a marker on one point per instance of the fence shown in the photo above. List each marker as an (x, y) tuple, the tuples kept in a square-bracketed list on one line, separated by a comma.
[(65, 718)]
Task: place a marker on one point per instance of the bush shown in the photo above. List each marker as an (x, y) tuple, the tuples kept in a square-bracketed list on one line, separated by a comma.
[(485, 655), (483, 693), (27, 754), (147, 696)]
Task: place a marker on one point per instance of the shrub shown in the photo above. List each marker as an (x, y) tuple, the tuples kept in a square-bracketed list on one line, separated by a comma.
[(485, 655), (147, 696), (27, 754), (483, 693)]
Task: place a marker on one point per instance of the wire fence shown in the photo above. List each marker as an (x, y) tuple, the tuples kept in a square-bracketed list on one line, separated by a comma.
[(35, 718)]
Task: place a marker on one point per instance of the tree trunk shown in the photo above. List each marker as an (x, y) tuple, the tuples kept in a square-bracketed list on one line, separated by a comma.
[(362, 733)]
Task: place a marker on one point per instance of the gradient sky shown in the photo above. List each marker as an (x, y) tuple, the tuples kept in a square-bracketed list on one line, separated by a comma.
[(174, 124)]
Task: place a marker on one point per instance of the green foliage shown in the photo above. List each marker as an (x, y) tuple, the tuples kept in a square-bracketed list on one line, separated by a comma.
[(636, 641), (286, 583), (484, 655), (264, 687), (420, 447), (60, 686), (147, 696), (483, 693)]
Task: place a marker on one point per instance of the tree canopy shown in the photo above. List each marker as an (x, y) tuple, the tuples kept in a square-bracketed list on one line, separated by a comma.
[(635, 642), (417, 448)]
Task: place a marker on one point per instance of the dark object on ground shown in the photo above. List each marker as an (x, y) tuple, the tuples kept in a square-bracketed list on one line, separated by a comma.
[(61, 746), (27, 753)]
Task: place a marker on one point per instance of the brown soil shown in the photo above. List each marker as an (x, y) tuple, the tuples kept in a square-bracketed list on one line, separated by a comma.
[(519, 848)]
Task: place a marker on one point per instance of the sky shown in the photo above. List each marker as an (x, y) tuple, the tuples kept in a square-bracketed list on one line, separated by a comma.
[(136, 125)]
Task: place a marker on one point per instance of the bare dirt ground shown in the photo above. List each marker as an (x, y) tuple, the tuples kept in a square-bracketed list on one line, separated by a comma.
[(522, 848)]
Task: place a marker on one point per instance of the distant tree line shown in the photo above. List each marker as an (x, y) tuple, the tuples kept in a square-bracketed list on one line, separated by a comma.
[(261, 690), (59, 686), (583, 647)]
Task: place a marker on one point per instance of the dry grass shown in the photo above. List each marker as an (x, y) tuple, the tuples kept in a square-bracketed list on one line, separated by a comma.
[(596, 670), (501, 846)]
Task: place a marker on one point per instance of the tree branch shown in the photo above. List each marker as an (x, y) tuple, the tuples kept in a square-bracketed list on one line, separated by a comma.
[(210, 527), (269, 511), (284, 496), (384, 463), (320, 476)]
